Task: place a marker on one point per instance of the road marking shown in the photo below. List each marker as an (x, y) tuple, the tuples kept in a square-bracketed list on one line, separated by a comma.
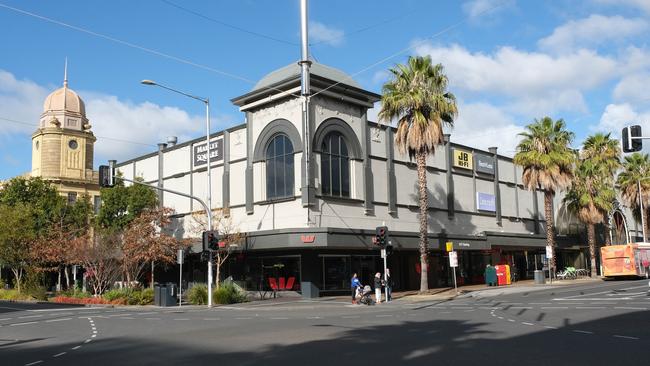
[(59, 354), (314, 317), (520, 307), (151, 318), (75, 348), (279, 318), (34, 363), (511, 320), (624, 337), (540, 303), (93, 336), (590, 307), (16, 324), (211, 318), (182, 319), (350, 317), (30, 316), (147, 313), (132, 318), (6, 319), (554, 307), (245, 318), (500, 317), (526, 323), (383, 316), (549, 327), (583, 331), (87, 341), (629, 308), (57, 320)]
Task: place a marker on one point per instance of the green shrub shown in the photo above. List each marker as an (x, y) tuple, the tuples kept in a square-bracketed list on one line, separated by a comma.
[(75, 293), (14, 295), (115, 294), (198, 295), (228, 294), (146, 297)]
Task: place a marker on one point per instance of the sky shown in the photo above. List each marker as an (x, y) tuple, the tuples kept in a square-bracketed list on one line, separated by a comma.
[(508, 63)]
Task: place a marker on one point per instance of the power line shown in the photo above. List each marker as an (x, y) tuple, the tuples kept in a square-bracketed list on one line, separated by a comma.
[(414, 45), (229, 25), (98, 137)]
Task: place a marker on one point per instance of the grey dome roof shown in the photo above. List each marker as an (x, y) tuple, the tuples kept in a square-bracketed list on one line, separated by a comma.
[(293, 69)]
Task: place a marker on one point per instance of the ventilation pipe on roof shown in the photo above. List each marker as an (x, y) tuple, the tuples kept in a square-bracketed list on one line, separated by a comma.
[(304, 92), (172, 140)]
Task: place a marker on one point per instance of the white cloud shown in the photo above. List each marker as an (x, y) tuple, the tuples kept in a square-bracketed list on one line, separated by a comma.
[(484, 125), (640, 4), (321, 33), (533, 81), (633, 88), (112, 119), (21, 101), (617, 116), (477, 8), (593, 30)]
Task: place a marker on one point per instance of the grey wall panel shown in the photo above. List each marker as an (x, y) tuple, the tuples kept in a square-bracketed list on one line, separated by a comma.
[(506, 171), (380, 185), (464, 193), (526, 207), (508, 203), (436, 183), (407, 189), (378, 141)]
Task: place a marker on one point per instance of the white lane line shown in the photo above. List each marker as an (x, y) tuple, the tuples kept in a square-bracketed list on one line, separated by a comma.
[(500, 317), (445, 312), (243, 318), (59, 354), (182, 319), (383, 316), (469, 311), (624, 337), (132, 318), (147, 313), (351, 317), (211, 318), (314, 317), (93, 336), (94, 332), (30, 316), (17, 324), (57, 320), (5, 319), (34, 363), (412, 314), (540, 303), (629, 308), (151, 318), (554, 307), (590, 307), (526, 323), (76, 347), (583, 331), (511, 320), (549, 327), (87, 341), (279, 318)]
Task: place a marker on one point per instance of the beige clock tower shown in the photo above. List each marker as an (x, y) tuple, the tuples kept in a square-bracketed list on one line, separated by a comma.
[(63, 146)]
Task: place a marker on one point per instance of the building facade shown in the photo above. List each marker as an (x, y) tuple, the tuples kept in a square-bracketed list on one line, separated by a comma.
[(308, 196)]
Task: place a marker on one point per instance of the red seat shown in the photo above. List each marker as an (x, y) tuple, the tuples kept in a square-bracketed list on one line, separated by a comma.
[(273, 284), (290, 283), (282, 284)]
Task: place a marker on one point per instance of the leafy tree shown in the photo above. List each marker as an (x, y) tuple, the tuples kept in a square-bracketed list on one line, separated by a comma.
[(100, 259), (591, 198), (547, 160), (122, 204), (635, 175), (40, 196), (145, 241), (417, 97), (16, 237), (604, 152)]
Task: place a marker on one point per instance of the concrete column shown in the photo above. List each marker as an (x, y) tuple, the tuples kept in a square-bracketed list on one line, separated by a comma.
[(249, 164), (390, 171), (497, 188), (450, 179), (161, 147), (225, 179), (367, 167)]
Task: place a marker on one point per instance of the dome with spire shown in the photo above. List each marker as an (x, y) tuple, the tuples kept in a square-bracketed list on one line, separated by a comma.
[(64, 99)]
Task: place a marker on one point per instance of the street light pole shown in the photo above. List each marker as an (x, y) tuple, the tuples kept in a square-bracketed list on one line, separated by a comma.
[(206, 101)]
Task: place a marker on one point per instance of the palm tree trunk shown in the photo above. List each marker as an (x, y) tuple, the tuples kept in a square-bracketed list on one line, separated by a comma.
[(608, 231), (646, 224), (550, 232), (421, 159), (591, 238)]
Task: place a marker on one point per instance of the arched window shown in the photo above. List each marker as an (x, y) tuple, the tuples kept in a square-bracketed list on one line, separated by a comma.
[(335, 166), (279, 168)]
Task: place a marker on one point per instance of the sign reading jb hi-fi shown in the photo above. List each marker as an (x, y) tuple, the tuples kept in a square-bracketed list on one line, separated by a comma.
[(463, 159)]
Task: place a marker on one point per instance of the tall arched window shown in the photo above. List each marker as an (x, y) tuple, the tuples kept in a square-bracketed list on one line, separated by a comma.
[(279, 168), (335, 166)]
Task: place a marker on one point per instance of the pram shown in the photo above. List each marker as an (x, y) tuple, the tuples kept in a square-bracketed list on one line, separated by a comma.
[(365, 295)]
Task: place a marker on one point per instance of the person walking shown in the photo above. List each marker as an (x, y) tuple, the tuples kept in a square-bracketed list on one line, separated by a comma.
[(355, 284), (389, 286), (377, 284)]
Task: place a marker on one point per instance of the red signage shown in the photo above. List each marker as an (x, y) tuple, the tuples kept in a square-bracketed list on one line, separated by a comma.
[(308, 238)]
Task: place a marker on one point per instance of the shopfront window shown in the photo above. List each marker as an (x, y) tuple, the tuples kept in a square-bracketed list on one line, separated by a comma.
[(336, 273)]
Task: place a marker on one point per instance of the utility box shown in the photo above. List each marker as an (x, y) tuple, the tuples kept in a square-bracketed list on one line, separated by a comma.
[(309, 290), (164, 295), (490, 276), (539, 276), (503, 274)]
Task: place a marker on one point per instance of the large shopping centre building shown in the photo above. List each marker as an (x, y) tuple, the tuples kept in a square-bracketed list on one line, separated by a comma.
[(308, 206)]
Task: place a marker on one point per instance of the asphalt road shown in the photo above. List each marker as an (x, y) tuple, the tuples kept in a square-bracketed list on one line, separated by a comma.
[(594, 323)]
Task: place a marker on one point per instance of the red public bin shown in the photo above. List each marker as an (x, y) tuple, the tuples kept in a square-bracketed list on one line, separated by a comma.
[(503, 274)]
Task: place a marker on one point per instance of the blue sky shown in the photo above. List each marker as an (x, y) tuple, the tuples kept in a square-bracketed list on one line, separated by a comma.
[(508, 61)]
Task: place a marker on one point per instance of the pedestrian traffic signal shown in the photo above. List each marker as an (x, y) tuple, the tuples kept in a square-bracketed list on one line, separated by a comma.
[(106, 176), (632, 139), (381, 236), (210, 240), (389, 249)]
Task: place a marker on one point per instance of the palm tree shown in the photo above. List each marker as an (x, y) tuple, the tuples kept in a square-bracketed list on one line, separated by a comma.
[(635, 174), (605, 152), (591, 198), (417, 97), (547, 160)]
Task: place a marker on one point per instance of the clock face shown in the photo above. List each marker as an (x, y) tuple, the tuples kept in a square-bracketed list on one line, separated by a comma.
[(73, 144)]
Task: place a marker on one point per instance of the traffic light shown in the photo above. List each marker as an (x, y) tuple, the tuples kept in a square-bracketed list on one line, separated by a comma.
[(632, 139), (210, 240), (389, 249), (106, 176), (381, 236)]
